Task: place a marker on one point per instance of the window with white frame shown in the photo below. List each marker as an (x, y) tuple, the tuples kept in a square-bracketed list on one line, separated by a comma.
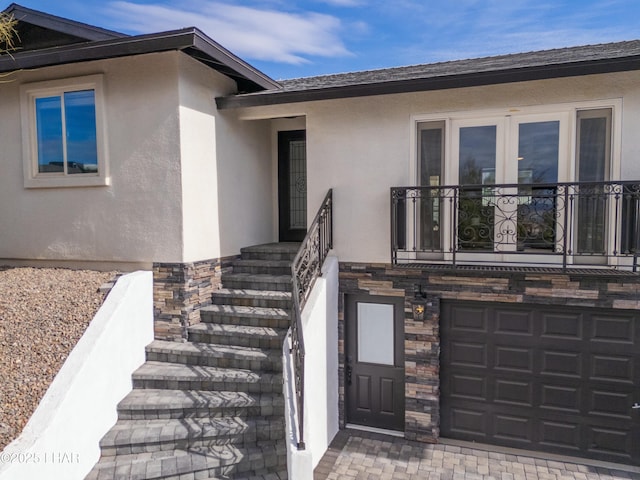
[(527, 153), (63, 133)]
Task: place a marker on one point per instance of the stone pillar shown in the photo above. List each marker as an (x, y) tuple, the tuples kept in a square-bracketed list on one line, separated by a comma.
[(180, 290)]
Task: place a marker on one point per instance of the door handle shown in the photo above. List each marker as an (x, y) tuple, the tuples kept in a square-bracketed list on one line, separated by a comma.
[(348, 373), (635, 406)]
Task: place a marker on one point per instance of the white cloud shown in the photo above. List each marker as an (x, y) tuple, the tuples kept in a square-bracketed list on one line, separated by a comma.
[(252, 33)]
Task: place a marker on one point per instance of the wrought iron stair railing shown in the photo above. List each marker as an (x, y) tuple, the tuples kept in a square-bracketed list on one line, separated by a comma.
[(305, 269)]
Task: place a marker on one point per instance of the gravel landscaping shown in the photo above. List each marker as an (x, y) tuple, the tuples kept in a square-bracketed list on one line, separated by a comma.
[(43, 314)]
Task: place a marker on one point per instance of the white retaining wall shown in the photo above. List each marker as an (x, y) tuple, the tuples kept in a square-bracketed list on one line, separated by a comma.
[(61, 440), (320, 330)]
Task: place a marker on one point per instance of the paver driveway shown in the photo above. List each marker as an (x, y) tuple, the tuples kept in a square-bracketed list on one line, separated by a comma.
[(369, 456)]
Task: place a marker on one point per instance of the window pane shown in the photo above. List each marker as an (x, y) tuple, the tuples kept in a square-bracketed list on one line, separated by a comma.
[(431, 138), (80, 117), (477, 165), (49, 134), (594, 145), (538, 149), (375, 333), (538, 152)]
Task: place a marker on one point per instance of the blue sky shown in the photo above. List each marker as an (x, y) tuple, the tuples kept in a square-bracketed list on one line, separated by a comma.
[(288, 39)]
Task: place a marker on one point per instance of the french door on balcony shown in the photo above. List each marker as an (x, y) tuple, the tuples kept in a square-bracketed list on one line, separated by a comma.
[(522, 153), (507, 193)]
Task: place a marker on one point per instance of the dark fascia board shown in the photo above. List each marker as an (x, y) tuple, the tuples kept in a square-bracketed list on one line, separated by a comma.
[(59, 24), (496, 77), (190, 40)]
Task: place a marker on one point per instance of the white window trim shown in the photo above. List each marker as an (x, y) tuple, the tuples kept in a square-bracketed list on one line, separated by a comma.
[(28, 93)]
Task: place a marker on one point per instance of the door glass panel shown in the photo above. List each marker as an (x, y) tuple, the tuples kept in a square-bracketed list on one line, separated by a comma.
[(297, 185), (477, 166), (593, 156), (375, 333), (431, 144), (538, 149)]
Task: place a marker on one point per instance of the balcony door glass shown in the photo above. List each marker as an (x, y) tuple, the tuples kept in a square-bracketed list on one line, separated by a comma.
[(537, 166), (593, 160), (477, 158), (431, 153)]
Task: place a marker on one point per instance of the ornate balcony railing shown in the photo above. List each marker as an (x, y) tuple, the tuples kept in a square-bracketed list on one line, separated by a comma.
[(561, 224), (306, 267)]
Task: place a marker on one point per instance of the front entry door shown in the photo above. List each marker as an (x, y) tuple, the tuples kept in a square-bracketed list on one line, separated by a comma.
[(374, 369), (292, 185)]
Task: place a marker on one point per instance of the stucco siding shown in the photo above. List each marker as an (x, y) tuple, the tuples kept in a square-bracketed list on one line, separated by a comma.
[(363, 146), (123, 221)]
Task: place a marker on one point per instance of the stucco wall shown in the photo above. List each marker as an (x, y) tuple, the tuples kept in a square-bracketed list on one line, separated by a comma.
[(363, 146), (226, 170), (121, 222)]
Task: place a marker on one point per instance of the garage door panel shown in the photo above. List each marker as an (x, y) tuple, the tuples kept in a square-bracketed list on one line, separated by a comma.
[(557, 434), (467, 423), (564, 364), (549, 378), (469, 319), (516, 429), (514, 359), (611, 329), (468, 354), (611, 404), (611, 368), (615, 443), (514, 322), (468, 386), (561, 398), (513, 392), (561, 326)]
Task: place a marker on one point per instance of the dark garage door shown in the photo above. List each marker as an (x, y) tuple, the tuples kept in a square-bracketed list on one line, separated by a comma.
[(555, 379)]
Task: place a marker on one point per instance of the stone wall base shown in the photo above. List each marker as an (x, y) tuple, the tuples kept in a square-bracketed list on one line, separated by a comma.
[(179, 290)]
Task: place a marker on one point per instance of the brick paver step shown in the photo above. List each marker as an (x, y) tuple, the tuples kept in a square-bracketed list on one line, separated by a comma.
[(270, 251), (139, 436), (257, 281), (242, 335), (175, 376), (158, 404), (273, 267), (212, 355), (254, 298), (246, 315), (214, 461)]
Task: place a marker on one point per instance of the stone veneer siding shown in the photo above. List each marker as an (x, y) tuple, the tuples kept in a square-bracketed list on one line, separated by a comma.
[(179, 290), (422, 335)]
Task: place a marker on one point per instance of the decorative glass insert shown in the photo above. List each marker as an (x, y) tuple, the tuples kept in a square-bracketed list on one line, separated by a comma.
[(375, 333)]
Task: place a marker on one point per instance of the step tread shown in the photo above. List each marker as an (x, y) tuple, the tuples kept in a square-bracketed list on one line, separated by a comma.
[(279, 247), (172, 463), (152, 370), (252, 293), (245, 311), (257, 277), (256, 262), (237, 330), (159, 399), (209, 350), (153, 431)]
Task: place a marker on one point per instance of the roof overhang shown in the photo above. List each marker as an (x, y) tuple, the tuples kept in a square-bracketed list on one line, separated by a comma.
[(430, 83), (190, 40)]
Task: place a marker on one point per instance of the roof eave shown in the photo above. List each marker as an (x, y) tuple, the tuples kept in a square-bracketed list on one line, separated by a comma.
[(188, 40), (474, 79)]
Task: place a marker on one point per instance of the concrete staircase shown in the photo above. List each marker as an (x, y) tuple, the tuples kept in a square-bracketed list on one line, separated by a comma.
[(212, 407)]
